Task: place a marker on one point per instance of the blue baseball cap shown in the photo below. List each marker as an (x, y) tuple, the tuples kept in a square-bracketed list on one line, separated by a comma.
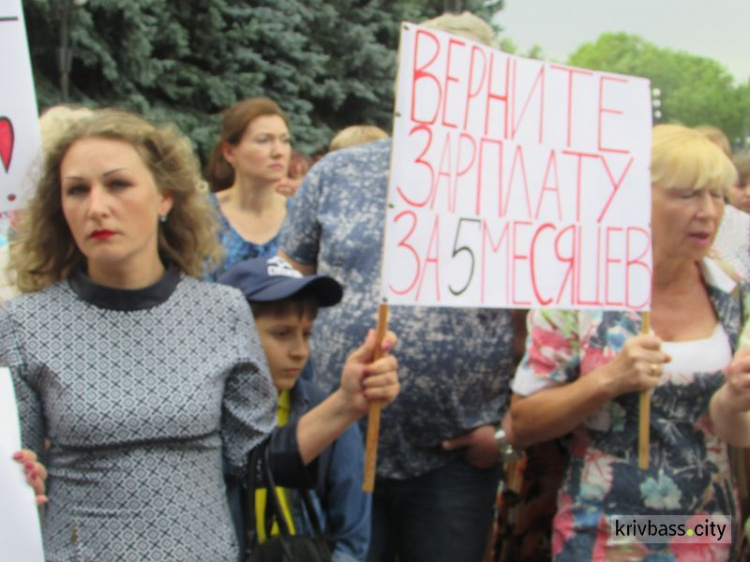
[(273, 279)]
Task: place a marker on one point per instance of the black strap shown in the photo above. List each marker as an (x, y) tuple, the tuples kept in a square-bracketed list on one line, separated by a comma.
[(272, 499), (249, 503), (260, 475), (312, 513)]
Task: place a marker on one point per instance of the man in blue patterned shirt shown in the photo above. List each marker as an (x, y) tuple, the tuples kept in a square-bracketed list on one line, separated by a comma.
[(438, 460), (455, 365)]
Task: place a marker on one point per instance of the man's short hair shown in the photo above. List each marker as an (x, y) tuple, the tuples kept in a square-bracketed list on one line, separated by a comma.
[(466, 25)]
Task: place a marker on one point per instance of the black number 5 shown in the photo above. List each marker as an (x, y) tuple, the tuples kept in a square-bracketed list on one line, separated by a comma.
[(457, 250)]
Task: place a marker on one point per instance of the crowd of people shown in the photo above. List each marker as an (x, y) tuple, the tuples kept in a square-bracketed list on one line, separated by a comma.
[(172, 323)]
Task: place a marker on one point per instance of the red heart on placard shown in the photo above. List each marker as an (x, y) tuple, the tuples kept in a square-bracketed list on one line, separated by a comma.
[(6, 141)]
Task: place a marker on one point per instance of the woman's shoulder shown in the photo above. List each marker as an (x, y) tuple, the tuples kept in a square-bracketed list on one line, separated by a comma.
[(215, 203), (57, 292), (215, 296), (30, 310), (356, 160), (206, 287)]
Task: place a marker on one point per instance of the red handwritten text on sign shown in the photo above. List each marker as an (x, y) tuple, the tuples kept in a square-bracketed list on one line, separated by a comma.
[(20, 146), (6, 142), (516, 183)]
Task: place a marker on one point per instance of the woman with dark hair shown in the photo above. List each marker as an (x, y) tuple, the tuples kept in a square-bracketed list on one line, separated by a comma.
[(246, 166)]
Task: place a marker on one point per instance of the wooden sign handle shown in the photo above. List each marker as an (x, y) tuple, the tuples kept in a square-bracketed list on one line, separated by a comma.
[(644, 412), (373, 419)]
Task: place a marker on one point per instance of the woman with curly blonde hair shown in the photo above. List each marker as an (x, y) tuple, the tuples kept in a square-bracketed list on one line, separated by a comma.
[(47, 251), (144, 380)]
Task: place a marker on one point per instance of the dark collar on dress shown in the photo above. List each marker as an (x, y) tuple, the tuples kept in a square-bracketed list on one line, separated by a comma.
[(125, 299)]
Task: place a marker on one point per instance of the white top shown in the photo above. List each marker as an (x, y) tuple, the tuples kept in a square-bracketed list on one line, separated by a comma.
[(688, 357), (707, 355), (526, 383)]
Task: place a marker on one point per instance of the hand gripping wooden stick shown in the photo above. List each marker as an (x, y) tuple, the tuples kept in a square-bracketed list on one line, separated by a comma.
[(644, 413), (373, 419)]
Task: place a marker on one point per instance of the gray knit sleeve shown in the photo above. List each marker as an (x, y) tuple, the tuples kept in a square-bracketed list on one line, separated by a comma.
[(13, 356), (249, 403)]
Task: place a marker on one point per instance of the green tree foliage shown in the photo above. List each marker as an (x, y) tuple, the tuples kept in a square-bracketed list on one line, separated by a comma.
[(535, 52), (329, 63), (485, 9), (694, 90)]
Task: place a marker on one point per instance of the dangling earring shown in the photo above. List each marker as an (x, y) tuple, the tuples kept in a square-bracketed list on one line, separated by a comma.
[(163, 218)]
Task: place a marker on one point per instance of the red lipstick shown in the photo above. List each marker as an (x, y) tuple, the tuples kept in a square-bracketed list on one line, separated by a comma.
[(102, 234)]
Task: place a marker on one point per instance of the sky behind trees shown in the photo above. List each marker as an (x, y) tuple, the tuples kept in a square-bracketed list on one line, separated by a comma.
[(719, 29)]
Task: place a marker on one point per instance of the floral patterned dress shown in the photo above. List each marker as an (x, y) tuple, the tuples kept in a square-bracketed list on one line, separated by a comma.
[(688, 471)]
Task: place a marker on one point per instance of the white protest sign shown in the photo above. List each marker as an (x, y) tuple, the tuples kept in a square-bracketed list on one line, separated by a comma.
[(515, 183), (20, 145), (20, 536)]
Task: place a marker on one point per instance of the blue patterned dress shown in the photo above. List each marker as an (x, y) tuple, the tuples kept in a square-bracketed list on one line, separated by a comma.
[(236, 248)]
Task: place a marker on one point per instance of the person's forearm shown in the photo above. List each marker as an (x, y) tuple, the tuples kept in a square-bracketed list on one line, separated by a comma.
[(556, 411), (322, 425), (733, 426)]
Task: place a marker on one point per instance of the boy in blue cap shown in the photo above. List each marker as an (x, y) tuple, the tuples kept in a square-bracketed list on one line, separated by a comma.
[(285, 304)]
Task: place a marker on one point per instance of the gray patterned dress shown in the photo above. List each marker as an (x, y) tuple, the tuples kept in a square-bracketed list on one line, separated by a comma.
[(139, 393)]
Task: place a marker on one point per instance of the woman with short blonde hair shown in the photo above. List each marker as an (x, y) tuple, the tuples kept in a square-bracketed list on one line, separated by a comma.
[(356, 134), (583, 371)]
